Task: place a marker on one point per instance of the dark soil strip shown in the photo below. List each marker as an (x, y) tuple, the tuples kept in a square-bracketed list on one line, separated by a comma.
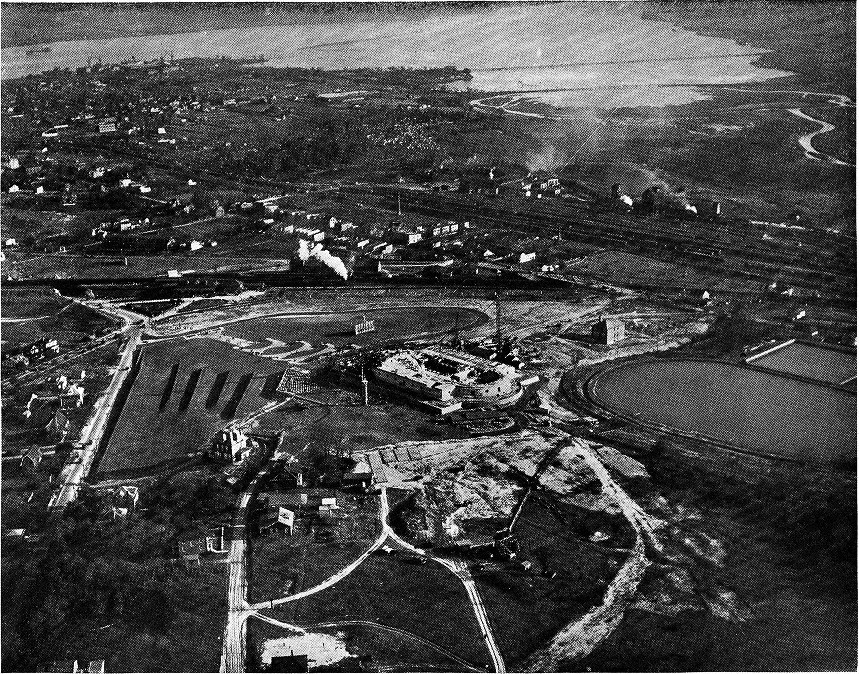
[(168, 388), (189, 389), (269, 388), (118, 405), (215, 391), (229, 410)]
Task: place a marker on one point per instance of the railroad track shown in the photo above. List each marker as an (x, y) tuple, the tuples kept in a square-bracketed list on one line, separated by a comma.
[(710, 252)]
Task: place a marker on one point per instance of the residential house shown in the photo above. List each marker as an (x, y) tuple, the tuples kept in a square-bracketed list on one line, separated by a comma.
[(32, 457), (58, 426), (230, 445)]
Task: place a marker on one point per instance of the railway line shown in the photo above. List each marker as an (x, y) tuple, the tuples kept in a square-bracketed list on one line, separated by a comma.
[(713, 251)]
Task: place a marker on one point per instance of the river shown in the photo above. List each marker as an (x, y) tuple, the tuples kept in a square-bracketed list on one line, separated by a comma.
[(582, 53), (805, 140)]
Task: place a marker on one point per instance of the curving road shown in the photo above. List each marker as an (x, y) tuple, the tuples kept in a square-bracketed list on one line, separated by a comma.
[(581, 636), (242, 610), (340, 575), (375, 625), (460, 570)]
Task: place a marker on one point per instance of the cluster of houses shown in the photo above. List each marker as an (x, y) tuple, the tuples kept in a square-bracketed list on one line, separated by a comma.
[(278, 511), (120, 502), (38, 351), (345, 238), (538, 183), (192, 549), (118, 226)]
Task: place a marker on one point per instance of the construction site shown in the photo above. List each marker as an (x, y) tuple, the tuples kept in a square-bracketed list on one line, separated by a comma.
[(429, 338)]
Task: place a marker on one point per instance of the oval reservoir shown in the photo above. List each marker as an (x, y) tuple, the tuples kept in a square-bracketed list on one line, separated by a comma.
[(749, 409)]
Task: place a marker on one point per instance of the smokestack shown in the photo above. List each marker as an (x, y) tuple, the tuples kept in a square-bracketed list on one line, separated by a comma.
[(615, 191)]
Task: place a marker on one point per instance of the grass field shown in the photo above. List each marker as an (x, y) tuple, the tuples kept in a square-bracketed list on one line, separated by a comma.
[(426, 600), (30, 302), (379, 649), (46, 314), (113, 266), (316, 550), (759, 411), (526, 609), (156, 426), (338, 329), (831, 366)]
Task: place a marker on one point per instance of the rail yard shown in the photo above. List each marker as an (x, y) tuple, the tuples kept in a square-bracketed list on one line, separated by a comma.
[(371, 369)]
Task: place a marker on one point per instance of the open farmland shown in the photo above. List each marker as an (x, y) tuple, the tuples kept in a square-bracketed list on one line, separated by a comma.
[(166, 417)]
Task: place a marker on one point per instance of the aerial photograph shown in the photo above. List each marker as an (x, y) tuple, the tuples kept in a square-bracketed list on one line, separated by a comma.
[(428, 336)]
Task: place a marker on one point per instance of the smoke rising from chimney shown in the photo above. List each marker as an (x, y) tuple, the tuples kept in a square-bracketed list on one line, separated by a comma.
[(331, 261)]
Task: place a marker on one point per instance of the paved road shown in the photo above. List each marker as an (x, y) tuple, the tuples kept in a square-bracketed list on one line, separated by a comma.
[(74, 473), (233, 653)]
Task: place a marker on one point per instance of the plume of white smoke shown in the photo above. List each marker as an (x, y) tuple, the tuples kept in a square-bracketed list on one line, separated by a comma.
[(331, 261), (678, 197), (303, 250), (625, 198), (548, 159)]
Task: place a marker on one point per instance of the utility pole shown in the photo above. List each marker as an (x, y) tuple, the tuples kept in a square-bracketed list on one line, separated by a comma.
[(399, 192), (364, 385), (498, 323)]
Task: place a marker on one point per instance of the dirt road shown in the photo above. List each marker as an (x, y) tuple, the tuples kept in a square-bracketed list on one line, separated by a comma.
[(581, 636)]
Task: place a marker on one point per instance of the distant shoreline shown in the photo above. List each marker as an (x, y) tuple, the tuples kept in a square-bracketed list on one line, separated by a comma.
[(32, 25)]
